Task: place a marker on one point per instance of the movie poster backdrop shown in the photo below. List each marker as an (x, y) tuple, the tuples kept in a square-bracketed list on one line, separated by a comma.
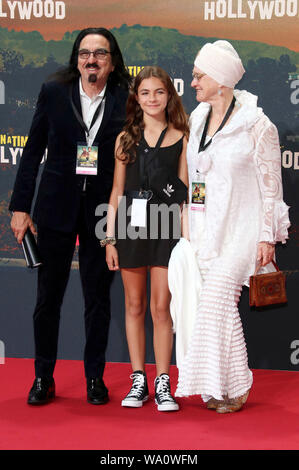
[(36, 38)]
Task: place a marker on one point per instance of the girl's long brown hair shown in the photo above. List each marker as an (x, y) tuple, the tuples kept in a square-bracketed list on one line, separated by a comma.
[(175, 113)]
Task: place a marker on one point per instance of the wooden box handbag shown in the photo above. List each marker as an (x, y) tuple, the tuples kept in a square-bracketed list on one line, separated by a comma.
[(267, 289)]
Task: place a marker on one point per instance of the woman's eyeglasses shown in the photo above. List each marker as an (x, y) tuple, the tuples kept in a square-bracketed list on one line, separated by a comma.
[(198, 76)]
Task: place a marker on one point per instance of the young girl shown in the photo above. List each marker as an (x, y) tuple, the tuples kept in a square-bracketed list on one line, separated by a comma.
[(138, 246)]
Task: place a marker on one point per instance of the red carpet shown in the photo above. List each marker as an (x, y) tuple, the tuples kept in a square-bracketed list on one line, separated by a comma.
[(269, 420)]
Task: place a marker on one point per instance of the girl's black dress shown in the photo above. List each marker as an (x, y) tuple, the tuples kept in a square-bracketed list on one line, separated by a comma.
[(150, 245)]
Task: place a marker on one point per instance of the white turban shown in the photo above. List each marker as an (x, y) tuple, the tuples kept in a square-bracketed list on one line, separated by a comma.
[(220, 61)]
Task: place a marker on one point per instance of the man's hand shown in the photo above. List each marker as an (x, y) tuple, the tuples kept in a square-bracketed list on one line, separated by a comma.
[(20, 221)]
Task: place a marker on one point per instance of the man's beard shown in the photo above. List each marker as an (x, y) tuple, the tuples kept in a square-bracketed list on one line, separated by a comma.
[(92, 78)]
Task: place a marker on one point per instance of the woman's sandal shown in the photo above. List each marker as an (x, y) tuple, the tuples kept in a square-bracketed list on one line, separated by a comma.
[(232, 404), (212, 403)]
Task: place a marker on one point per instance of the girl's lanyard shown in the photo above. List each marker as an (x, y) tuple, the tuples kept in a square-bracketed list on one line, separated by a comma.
[(138, 210)]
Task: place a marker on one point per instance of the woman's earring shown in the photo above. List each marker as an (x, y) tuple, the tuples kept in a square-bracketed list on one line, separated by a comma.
[(219, 91)]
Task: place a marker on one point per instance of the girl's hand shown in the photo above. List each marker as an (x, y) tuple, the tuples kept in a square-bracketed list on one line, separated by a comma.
[(112, 258)]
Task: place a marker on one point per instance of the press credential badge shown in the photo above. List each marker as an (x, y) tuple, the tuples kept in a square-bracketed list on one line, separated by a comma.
[(87, 159), (138, 213)]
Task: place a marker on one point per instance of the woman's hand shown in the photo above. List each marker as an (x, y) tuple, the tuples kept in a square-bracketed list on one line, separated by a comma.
[(265, 253), (112, 258)]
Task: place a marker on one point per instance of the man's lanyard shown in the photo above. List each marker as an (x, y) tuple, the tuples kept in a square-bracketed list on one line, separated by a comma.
[(144, 161), (202, 145), (79, 117)]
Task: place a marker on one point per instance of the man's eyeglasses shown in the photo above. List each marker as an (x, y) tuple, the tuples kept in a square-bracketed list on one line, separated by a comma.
[(99, 54), (198, 76)]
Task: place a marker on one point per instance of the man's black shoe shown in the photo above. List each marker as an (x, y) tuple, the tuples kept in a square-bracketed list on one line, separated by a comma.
[(97, 392), (42, 391)]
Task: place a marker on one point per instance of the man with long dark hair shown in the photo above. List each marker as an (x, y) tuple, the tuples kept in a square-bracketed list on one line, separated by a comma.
[(82, 105)]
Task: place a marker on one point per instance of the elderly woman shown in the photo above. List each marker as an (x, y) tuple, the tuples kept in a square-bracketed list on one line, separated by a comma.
[(236, 215)]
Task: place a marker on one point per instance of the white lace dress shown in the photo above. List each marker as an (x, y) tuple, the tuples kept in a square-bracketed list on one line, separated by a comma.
[(243, 206)]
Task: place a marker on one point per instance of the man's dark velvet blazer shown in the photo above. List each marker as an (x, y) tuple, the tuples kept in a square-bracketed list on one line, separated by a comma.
[(55, 126)]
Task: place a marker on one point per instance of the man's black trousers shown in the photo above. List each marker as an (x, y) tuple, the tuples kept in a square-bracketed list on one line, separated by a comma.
[(56, 250)]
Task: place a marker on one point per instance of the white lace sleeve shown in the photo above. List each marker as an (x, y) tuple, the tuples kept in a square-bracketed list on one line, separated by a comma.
[(267, 160)]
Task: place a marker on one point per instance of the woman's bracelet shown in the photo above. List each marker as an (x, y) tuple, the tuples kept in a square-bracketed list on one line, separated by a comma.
[(108, 241)]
